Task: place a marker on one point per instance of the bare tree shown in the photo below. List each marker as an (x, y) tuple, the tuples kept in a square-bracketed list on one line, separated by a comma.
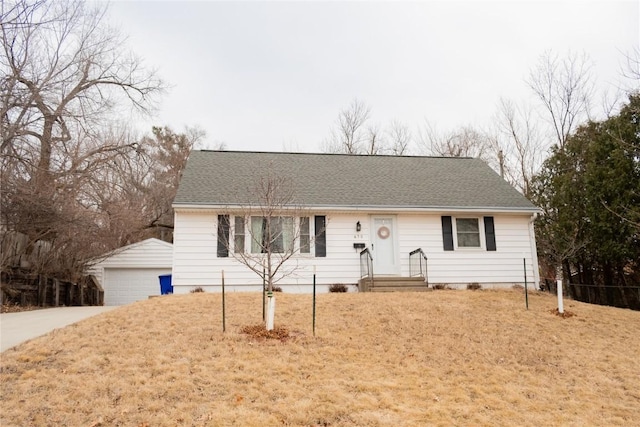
[(64, 72), (463, 142), (348, 135), (124, 199), (374, 142), (268, 232), (64, 75), (516, 136), (355, 134), (565, 88), (631, 68), (399, 136), (133, 194), (265, 235)]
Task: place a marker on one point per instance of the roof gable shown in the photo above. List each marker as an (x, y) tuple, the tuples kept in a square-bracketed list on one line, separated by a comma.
[(225, 178), (146, 248)]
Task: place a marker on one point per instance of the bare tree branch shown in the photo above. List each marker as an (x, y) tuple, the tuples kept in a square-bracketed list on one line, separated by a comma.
[(565, 88), (400, 138), (516, 135), (271, 229), (68, 175), (347, 135)]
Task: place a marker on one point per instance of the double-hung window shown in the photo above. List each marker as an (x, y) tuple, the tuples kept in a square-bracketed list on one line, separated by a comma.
[(468, 232), (275, 234)]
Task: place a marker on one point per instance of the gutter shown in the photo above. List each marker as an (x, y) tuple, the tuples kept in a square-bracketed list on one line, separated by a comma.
[(360, 208)]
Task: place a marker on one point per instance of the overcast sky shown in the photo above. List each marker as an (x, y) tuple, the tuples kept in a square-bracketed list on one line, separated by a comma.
[(273, 75)]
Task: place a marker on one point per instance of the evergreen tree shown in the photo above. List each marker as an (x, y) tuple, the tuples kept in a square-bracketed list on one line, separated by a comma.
[(590, 194)]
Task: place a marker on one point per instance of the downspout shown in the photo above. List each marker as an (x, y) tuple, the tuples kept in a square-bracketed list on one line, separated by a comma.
[(534, 252)]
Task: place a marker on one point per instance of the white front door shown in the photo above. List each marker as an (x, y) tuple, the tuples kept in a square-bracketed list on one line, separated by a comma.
[(384, 245)]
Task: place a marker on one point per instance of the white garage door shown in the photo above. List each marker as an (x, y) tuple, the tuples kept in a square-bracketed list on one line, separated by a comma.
[(127, 285)]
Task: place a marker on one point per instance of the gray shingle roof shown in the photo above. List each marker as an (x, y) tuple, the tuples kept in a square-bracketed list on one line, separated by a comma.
[(226, 178)]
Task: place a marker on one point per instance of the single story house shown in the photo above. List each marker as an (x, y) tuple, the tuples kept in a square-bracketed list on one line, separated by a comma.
[(130, 273), (449, 221)]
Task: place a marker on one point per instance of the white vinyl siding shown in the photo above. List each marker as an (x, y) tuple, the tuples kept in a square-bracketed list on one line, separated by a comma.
[(195, 263), (131, 273), (502, 267)]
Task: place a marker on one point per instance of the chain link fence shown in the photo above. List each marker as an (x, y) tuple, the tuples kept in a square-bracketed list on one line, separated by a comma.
[(615, 296)]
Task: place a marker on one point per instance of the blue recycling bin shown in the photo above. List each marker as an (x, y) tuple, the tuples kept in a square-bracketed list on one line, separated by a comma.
[(165, 284)]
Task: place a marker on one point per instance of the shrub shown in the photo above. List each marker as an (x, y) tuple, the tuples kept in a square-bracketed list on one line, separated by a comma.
[(338, 287), (277, 289), (441, 286), (197, 290), (474, 286)]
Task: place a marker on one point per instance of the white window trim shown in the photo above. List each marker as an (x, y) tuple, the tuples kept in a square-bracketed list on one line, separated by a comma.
[(482, 236)]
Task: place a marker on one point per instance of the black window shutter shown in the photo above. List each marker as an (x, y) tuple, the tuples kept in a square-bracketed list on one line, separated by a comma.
[(223, 236), (321, 235), (490, 233), (447, 233), (264, 239)]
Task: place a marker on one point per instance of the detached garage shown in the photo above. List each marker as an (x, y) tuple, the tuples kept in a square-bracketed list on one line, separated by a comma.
[(131, 273)]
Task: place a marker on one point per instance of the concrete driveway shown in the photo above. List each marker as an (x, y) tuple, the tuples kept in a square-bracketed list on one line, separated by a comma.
[(16, 328)]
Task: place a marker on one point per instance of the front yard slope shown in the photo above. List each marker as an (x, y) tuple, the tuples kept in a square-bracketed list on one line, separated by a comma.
[(404, 359)]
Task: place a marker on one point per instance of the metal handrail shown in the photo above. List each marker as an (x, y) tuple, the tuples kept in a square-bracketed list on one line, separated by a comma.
[(366, 268), (422, 263), (368, 262)]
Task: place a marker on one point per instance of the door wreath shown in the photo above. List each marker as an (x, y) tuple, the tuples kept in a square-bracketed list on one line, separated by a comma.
[(383, 232)]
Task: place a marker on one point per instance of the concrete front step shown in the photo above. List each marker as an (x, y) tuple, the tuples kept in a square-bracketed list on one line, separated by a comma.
[(392, 284)]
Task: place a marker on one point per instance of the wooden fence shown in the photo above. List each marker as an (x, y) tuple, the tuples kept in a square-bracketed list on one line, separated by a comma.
[(20, 283), (19, 287)]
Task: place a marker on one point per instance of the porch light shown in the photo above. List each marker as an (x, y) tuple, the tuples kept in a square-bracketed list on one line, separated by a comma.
[(358, 226)]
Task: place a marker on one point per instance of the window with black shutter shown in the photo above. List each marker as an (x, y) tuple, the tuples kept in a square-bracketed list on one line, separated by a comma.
[(321, 235), (490, 233), (447, 233), (223, 236)]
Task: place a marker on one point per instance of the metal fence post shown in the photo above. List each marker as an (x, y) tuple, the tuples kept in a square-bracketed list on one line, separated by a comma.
[(224, 326)]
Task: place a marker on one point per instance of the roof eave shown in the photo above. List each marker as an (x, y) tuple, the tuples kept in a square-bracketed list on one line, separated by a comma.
[(370, 208)]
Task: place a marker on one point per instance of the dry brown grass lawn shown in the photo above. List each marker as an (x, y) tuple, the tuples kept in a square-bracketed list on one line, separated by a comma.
[(405, 359)]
